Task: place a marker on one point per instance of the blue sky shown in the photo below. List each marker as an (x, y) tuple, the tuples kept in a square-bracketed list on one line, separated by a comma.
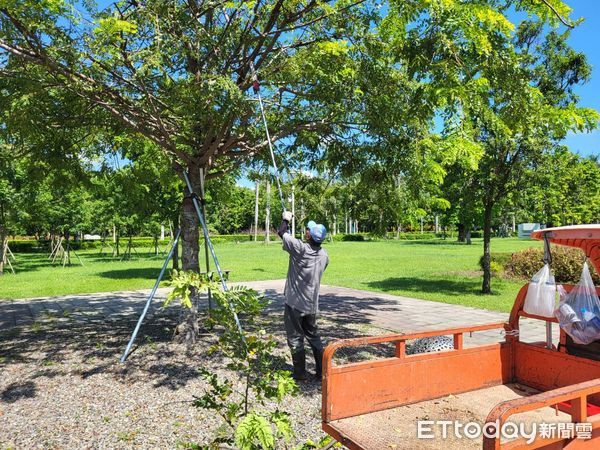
[(586, 38)]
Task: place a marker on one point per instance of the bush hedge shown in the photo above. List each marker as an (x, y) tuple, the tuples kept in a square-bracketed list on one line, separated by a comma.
[(414, 235), (357, 237), (42, 245), (567, 263), (33, 246), (499, 260)]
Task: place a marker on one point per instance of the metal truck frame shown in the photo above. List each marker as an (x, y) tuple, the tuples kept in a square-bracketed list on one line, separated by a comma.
[(562, 380)]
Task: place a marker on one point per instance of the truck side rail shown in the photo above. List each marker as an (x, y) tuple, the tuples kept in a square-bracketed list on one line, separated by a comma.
[(401, 338), (577, 394), (362, 387)]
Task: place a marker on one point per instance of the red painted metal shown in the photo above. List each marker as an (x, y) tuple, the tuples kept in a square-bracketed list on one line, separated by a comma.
[(592, 410)]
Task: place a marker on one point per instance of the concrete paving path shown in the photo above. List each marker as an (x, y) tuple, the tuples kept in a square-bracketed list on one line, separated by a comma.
[(389, 312)]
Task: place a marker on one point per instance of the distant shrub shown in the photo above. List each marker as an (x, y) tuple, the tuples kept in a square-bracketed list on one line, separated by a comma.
[(353, 238), (496, 269), (27, 246), (416, 236), (567, 263), (501, 259), (42, 245), (498, 263)]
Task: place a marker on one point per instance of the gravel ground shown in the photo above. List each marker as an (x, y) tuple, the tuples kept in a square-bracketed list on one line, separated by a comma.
[(61, 385)]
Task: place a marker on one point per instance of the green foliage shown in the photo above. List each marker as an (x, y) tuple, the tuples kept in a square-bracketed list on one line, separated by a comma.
[(250, 423), (500, 261), (496, 269), (186, 284), (254, 432), (114, 28), (323, 443), (562, 189), (436, 270), (129, 81), (567, 264), (415, 236), (353, 237)]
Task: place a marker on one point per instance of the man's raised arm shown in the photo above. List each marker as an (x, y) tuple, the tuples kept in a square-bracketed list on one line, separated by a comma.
[(286, 219)]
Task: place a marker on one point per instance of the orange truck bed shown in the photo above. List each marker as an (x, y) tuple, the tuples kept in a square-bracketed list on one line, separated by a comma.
[(375, 404)]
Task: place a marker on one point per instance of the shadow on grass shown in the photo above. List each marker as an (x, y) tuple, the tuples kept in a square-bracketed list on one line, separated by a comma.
[(25, 262), (453, 288), (30, 262), (448, 242), (134, 272)]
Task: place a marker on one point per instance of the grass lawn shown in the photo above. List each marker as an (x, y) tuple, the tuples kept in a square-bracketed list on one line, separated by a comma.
[(434, 270)]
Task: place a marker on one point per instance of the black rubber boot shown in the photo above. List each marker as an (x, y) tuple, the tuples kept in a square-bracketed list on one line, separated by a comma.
[(299, 361), (318, 353)]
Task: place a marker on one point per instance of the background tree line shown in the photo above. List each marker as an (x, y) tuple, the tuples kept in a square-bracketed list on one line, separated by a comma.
[(417, 107), (139, 197)]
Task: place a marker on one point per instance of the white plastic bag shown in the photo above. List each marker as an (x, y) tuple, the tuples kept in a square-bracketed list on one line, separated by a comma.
[(579, 312), (541, 294)]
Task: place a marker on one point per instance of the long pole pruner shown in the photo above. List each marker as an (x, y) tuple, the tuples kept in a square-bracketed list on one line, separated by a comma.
[(256, 89)]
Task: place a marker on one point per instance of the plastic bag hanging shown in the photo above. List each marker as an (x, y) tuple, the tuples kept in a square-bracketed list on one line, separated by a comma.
[(541, 294), (579, 313)]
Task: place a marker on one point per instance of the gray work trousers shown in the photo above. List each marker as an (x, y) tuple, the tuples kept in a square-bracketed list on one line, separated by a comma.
[(298, 326)]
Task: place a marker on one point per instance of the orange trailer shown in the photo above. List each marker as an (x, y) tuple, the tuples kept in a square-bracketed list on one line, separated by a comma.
[(376, 404)]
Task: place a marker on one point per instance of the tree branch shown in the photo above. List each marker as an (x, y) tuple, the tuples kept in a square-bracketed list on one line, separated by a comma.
[(556, 13)]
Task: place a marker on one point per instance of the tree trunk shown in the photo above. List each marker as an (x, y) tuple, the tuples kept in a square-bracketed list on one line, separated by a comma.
[(461, 232), (268, 214), (189, 227), (68, 256), (203, 208), (187, 330), (294, 211), (2, 239), (3, 242), (334, 223), (175, 257), (256, 188), (486, 287)]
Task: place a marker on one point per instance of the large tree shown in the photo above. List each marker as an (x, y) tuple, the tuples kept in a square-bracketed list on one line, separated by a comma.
[(179, 73), (340, 80), (520, 107)]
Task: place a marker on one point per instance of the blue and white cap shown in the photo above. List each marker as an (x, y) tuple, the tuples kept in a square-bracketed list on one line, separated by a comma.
[(317, 231)]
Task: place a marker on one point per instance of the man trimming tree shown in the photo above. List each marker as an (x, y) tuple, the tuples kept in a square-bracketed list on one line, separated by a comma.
[(307, 264)]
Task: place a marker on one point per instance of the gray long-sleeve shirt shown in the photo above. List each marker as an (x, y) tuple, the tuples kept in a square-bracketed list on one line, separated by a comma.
[(307, 264)]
